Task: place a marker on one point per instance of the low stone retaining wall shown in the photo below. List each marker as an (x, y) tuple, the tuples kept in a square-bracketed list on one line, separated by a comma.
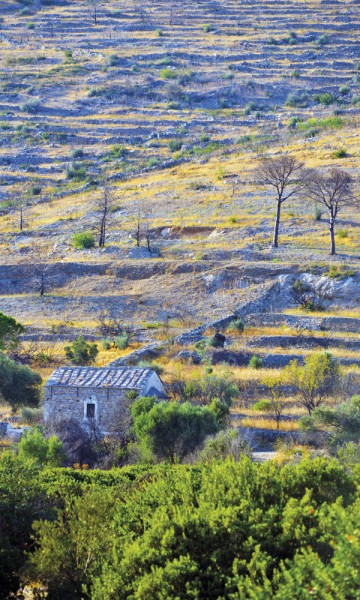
[(302, 341), (346, 324)]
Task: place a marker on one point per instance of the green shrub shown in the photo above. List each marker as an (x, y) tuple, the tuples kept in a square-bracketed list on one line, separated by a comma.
[(339, 273), (76, 172), (344, 89), (208, 28), (159, 32), (341, 153), (121, 341), (236, 326), (106, 344), (318, 213), (117, 151), (298, 99), (255, 362), (81, 352), (84, 239), (343, 233), (113, 60), (77, 153), (10, 330), (334, 122), (35, 447), (19, 385), (32, 106), (250, 107), (32, 416), (322, 40), (263, 406), (175, 145), (35, 190), (169, 74), (171, 430), (325, 99)]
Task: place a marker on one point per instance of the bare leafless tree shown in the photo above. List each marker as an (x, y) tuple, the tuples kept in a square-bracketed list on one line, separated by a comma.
[(111, 326), (140, 10), (94, 6), (104, 206), (21, 204), (138, 223), (142, 227), (42, 273), (283, 174), (333, 189)]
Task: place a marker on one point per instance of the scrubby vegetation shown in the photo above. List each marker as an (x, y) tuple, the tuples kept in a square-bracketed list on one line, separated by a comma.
[(179, 191)]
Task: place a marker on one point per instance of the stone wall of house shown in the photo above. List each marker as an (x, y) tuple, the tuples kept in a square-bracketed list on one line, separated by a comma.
[(68, 403)]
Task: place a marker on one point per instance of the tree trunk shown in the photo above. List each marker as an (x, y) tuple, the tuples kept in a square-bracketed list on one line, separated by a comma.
[(277, 224), (332, 237), (102, 233)]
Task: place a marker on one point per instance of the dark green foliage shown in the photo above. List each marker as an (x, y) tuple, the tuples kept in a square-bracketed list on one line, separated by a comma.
[(22, 501), (10, 330), (81, 352), (339, 426), (77, 153), (175, 145), (19, 385), (325, 99), (171, 430), (255, 362), (298, 99), (231, 530), (76, 172)]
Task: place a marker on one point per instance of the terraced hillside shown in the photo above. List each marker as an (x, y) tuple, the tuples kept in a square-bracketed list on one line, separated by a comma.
[(173, 104)]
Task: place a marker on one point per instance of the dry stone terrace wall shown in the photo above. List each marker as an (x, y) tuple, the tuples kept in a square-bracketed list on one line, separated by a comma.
[(240, 39), (348, 324)]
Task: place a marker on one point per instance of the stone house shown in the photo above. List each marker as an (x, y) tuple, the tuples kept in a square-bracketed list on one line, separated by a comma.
[(93, 394)]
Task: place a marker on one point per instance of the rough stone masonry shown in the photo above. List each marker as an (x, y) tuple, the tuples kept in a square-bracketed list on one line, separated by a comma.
[(90, 394)]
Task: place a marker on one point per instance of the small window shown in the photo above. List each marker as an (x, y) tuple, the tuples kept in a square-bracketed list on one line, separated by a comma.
[(90, 411)]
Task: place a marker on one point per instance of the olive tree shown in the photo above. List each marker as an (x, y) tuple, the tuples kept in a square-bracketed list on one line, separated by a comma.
[(315, 380)]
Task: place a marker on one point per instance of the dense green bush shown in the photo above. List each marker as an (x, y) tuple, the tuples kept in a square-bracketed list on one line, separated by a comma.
[(175, 145), (76, 172), (84, 239), (121, 341), (19, 385), (325, 99), (298, 99), (255, 362), (230, 530), (339, 425), (33, 446), (10, 330), (81, 352), (171, 430), (169, 73)]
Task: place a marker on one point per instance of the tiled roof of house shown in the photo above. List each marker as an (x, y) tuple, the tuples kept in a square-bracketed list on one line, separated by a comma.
[(131, 378)]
